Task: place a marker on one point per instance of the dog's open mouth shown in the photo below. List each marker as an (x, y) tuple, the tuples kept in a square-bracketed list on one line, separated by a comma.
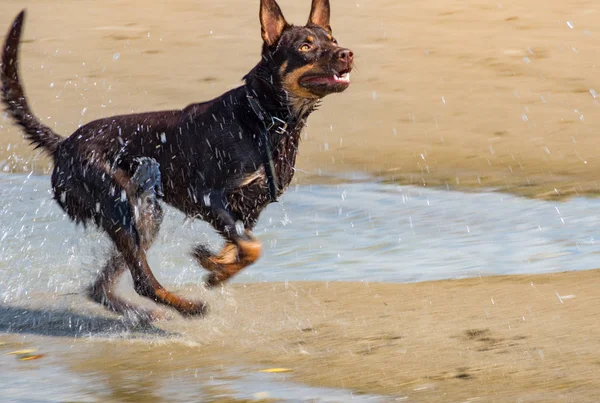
[(343, 77), (330, 83)]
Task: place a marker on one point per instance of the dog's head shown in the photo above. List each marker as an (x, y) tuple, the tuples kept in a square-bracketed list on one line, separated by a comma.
[(307, 60)]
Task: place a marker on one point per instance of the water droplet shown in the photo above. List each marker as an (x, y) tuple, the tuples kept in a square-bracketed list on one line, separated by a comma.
[(116, 56), (239, 227)]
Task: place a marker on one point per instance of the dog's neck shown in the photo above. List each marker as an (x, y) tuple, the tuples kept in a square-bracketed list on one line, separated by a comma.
[(282, 116), (263, 83)]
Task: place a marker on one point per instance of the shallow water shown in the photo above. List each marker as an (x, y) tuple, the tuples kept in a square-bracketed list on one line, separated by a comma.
[(58, 379), (354, 232)]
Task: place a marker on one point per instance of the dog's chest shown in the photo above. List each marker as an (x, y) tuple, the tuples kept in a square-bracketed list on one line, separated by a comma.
[(251, 194), (284, 159)]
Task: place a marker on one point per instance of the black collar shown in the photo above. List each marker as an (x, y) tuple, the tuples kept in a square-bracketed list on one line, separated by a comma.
[(269, 123)]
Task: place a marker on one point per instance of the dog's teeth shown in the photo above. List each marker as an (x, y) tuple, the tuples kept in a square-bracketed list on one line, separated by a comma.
[(342, 78)]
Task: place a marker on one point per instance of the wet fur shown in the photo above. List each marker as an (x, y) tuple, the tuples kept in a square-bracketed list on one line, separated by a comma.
[(205, 160)]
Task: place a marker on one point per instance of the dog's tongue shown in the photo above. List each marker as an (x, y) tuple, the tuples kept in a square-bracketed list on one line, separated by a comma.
[(334, 79)]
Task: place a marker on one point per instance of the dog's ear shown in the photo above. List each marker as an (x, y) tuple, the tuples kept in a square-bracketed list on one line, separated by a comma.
[(272, 21), (319, 14)]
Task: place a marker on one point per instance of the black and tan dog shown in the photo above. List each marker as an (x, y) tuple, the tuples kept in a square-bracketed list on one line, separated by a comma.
[(222, 161)]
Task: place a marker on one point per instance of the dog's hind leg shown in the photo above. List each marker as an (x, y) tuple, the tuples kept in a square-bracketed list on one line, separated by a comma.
[(143, 190), (144, 187), (102, 291), (127, 208), (144, 281)]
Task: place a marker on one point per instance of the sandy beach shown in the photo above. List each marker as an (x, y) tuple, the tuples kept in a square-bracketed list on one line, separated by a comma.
[(467, 96), (488, 339), (462, 95)]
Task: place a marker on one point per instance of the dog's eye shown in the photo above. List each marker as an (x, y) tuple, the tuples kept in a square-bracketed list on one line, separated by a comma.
[(334, 41), (305, 47)]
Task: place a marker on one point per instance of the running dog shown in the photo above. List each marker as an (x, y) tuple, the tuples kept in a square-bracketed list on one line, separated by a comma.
[(222, 161)]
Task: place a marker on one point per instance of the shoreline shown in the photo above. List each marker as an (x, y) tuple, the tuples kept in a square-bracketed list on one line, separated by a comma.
[(546, 189), (496, 338)]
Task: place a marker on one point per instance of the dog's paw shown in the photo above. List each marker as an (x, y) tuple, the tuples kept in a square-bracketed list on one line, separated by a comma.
[(213, 279), (201, 252), (205, 258), (195, 309), (147, 177)]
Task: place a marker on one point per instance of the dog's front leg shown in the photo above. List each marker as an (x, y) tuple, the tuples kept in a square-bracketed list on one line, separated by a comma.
[(241, 248)]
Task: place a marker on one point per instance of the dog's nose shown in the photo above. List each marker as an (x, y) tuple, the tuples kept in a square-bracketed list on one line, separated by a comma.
[(345, 55)]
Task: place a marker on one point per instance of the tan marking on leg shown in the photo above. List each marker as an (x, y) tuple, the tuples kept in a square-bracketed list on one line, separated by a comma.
[(102, 292), (123, 179), (184, 306), (144, 282), (249, 251), (246, 253), (227, 255)]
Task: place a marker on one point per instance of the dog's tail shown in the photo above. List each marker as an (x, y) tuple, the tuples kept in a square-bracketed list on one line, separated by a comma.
[(14, 97)]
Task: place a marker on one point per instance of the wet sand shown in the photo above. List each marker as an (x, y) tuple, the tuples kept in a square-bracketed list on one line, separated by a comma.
[(514, 338), (473, 95), (506, 338)]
